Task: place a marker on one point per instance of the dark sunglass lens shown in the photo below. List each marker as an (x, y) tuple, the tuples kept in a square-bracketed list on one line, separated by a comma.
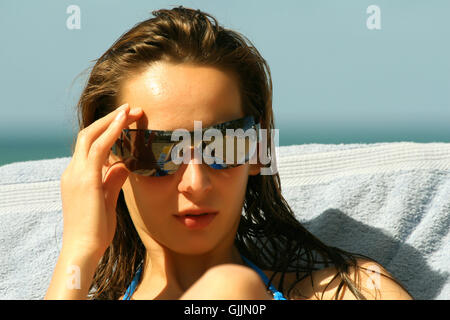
[(148, 152), (145, 153)]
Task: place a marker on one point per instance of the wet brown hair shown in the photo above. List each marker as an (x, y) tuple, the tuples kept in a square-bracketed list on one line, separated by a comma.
[(268, 234)]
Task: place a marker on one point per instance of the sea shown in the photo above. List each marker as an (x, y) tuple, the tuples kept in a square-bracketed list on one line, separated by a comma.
[(23, 149)]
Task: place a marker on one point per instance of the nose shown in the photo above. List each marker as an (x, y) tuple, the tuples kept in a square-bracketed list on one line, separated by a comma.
[(194, 179)]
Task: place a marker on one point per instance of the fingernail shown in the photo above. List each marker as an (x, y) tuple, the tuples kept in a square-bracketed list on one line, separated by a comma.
[(135, 111), (120, 116)]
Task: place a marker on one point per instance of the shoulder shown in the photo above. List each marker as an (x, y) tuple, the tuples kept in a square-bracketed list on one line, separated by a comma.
[(371, 279)]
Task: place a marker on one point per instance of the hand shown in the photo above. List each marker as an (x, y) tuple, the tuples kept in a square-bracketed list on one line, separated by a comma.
[(89, 195)]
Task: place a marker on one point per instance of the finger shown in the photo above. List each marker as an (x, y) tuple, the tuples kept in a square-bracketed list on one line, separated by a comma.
[(111, 161), (101, 147), (133, 116), (88, 135), (113, 182)]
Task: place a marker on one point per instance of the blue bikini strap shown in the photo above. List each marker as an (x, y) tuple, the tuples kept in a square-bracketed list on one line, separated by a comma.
[(133, 285), (276, 294)]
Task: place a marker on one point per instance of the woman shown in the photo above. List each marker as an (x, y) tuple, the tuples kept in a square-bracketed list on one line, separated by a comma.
[(128, 225)]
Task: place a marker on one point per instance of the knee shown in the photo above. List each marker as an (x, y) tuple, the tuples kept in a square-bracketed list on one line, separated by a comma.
[(230, 281), (233, 275)]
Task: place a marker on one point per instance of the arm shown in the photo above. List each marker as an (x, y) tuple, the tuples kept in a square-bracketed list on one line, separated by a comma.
[(374, 282), (72, 275), (89, 192)]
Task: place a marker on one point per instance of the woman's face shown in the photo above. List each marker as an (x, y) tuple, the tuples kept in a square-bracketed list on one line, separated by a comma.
[(172, 97)]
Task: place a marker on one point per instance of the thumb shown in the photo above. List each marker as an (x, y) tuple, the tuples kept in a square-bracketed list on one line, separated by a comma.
[(112, 183)]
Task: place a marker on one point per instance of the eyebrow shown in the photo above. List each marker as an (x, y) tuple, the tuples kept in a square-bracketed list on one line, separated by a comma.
[(245, 122)]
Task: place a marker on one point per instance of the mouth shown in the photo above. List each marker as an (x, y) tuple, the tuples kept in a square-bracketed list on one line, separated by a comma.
[(196, 220)]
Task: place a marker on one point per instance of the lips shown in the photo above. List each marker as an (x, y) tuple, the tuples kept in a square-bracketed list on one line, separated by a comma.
[(196, 212), (197, 218)]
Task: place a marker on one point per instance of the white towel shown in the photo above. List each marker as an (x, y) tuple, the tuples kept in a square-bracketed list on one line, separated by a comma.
[(390, 201)]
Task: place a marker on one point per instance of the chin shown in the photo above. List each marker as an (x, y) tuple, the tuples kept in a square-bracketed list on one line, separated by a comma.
[(201, 244)]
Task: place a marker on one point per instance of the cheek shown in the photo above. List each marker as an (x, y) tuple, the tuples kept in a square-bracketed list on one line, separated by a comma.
[(230, 187), (233, 180), (149, 199)]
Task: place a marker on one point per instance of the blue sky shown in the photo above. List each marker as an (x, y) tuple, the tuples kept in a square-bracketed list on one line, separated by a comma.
[(334, 79)]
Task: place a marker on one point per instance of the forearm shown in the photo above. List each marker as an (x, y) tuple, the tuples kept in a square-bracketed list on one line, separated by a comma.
[(72, 276)]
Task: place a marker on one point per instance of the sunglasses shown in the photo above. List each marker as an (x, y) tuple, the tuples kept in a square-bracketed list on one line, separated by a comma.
[(154, 153)]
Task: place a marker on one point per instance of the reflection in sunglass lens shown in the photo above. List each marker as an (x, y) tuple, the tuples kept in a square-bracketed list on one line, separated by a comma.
[(149, 152)]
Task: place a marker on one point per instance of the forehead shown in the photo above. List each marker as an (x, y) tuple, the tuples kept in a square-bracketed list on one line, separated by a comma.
[(174, 95)]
